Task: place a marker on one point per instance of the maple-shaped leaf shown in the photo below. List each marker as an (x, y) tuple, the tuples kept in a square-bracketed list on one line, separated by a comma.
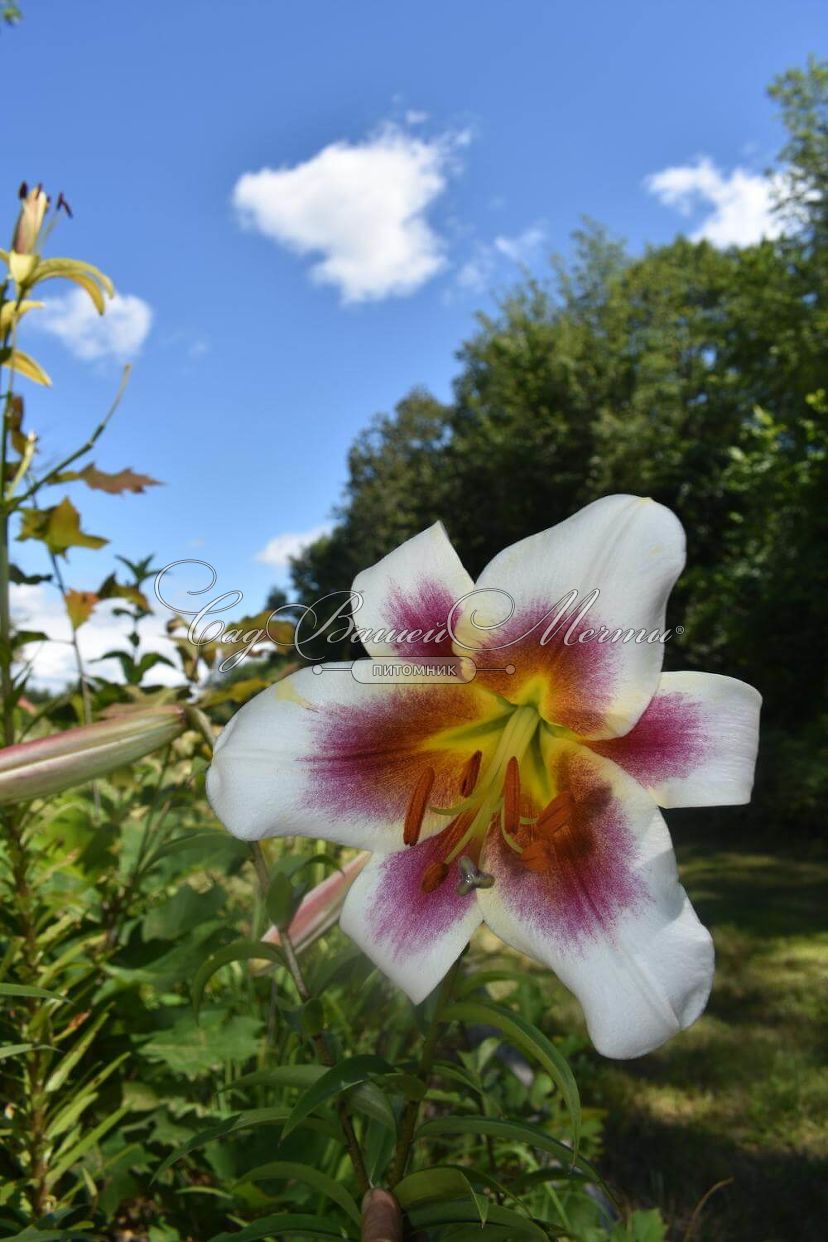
[(110, 588), (58, 527), (79, 606), (124, 481)]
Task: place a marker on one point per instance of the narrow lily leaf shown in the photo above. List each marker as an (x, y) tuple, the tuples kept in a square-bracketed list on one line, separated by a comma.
[(438, 1183), (526, 1036), (369, 1100), (24, 364), (238, 951), (231, 1125), (67, 1063), (332, 1190), (348, 1073), (433, 1216), (513, 1132), (283, 1225), (280, 1076), (65, 1160), (81, 273), (23, 989), (14, 1050)]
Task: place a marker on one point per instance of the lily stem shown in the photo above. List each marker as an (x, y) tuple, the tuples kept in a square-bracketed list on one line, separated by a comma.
[(411, 1112), (323, 1048)]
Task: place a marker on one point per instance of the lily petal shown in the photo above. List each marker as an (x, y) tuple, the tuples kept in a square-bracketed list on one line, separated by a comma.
[(320, 754), (696, 743), (632, 550), (411, 935), (413, 589), (608, 914)]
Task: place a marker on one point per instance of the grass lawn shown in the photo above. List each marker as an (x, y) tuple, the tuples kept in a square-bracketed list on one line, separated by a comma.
[(743, 1095)]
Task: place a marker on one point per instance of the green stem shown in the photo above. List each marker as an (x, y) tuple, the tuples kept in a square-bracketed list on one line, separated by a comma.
[(323, 1048), (411, 1112)]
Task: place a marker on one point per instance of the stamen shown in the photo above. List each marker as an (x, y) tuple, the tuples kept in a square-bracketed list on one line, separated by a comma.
[(415, 814), (557, 814), (433, 877), (511, 798), (471, 773)]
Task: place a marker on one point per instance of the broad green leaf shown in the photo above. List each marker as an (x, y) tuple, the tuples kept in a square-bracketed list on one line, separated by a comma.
[(533, 1042), (339, 1078), (192, 1048), (438, 1183), (432, 1216), (238, 951), (287, 1169)]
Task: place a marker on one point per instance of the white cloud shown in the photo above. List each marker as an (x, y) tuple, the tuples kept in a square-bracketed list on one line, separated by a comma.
[(480, 270), (281, 548), (742, 201), (118, 334), (53, 663), (523, 246), (362, 207), (414, 116)]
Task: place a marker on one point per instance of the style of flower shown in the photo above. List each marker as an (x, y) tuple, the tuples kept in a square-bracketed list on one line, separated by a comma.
[(528, 797)]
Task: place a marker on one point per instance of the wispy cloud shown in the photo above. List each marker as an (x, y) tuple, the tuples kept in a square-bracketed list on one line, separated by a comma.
[(483, 267), (118, 334), (278, 550), (362, 207), (737, 206)]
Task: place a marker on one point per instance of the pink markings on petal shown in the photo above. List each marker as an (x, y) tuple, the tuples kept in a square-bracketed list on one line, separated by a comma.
[(589, 879), (580, 677), (406, 918), (424, 617), (367, 759), (670, 740)]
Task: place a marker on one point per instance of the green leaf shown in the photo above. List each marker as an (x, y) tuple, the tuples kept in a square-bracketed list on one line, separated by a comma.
[(432, 1216), (280, 1076), (348, 1073), (332, 1190), (248, 1120), (513, 1132), (283, 1225), (191, 1048), (281, 901), (533, 1042), (23, 989), (67, 1063), (238, 951), (438, 1183)]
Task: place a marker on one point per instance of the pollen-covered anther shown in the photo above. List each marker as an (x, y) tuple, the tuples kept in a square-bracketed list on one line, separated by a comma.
[(471, 773), (433, 876), (415, 812), (557, 814), (511, 797)]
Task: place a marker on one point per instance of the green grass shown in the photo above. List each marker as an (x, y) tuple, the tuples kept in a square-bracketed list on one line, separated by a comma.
[(743, 1095)]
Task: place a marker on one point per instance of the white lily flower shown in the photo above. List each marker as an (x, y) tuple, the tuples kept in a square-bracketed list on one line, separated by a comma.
[(527, 797)]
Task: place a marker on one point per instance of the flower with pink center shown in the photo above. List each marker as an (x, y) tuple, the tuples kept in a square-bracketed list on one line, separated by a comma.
[(528, 796)]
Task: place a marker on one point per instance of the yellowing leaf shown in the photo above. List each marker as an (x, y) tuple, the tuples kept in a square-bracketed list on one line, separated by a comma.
[(110, 588), (86, 275), (58, 527), (124, 481), (24, 365), (10, 311), (80, 606)]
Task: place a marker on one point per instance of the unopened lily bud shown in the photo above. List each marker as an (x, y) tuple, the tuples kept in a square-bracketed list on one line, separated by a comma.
[(30, 220), (51, 764), (321, 907)]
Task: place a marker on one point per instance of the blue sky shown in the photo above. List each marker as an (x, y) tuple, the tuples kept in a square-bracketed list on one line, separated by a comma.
[(415, 153)]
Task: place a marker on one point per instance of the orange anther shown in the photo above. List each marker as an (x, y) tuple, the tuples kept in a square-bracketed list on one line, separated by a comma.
[(471, 773), (415, 814)]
